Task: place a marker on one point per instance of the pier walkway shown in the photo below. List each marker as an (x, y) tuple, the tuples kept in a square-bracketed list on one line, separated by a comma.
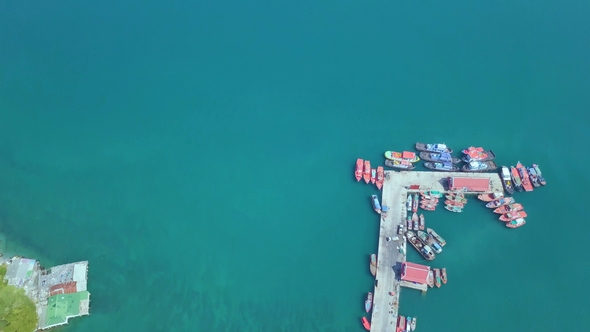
[(390, 251)]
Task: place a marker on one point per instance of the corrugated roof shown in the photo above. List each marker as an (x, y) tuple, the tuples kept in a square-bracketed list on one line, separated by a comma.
[(415, 272), (471, 184)]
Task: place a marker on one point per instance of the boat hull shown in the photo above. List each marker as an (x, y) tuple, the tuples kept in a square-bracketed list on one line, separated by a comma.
[(438, 157), (366, 324), (436, 147), (516, 223), (376, 204), (437, 237), (514, 207), (490, 197), (399, 165), (443, 275), (380, 177), (489, 155), (500, 202), (506, 180), (367, 171), (490, 166), (437, 166), (516, 179), (524, 177), (358, 172), (508, 217), (373, 264), (369, 302), (397, 156)]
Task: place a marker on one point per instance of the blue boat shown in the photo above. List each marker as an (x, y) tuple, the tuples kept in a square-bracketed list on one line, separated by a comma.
[(376, 205), (442, 167)]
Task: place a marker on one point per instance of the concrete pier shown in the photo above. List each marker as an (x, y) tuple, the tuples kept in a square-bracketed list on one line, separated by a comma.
[(392, 252)]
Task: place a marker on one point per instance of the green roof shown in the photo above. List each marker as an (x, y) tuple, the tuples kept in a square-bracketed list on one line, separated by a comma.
[(62, 306)]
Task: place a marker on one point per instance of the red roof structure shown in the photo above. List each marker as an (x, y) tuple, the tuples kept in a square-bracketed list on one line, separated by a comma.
[(469, 184), (415, 272)]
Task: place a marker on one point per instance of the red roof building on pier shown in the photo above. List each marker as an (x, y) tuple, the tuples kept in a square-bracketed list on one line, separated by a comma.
[(415, 272), (469, 184)]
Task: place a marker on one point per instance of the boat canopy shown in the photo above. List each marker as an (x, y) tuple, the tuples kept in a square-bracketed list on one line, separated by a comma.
[(408, 155)]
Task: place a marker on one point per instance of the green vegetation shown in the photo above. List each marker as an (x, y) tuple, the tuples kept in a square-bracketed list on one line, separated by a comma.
[(17, 311)]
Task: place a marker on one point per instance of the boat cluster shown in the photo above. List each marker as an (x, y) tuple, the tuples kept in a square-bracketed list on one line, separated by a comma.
[(521, 178), (438, 157), (364, 171), (455, 201), (428, 243), (510, 212), (406, 323)]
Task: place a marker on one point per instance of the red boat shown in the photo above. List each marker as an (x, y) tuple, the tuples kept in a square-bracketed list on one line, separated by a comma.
[(455, 203), (512, 216), (401, 323), (373, 175), (524, 177), (428, 207), (367, 171), (366, 323), (516, 223), (508, 208), (490, 197), (380, 177), (358, 173)]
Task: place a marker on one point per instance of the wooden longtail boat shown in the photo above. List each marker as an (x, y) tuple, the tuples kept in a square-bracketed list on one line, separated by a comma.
[(358, 172), (367, 171)]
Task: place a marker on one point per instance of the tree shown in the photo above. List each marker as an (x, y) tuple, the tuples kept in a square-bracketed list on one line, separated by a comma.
[(17, 311)]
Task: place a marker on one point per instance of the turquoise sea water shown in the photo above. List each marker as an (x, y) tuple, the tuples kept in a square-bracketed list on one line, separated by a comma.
[(200, 155)]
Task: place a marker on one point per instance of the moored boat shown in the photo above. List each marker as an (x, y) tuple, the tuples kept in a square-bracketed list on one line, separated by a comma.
[(431, 194), (413, 326), (427, 207), (516, 179), (512, 216), (430, 241), (500, 202), (443, 275), (516, 223), (539, 174), (380, 177), (439, 157), (506, 180), (436, 147), (533, 177), (479, 166), (453, 208), (373, 175), (366, 324), (437, 280), (429, 201), (369, 302), (508, 208), (524, 177), (358, 172), (406, 165), (373, 264), (423, 249), (430, 279), (376, 205), (422, 222), (408, 323), (402, 156), (409, 203), (477, 154), (455, 203), (442, 167), (415, 203), (367, 171), (490, 197), (401, 323), (437, 237)]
